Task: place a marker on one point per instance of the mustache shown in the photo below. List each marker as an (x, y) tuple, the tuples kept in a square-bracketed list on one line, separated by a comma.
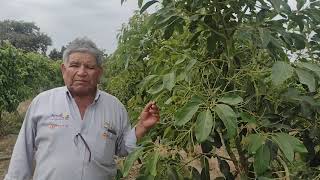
[(82, 80)]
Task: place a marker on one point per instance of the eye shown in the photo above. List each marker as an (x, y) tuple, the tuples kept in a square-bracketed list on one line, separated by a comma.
[(74, 65), (91, 66)]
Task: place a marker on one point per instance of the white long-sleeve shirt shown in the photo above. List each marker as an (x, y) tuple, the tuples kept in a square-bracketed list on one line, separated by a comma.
[(66, 147)]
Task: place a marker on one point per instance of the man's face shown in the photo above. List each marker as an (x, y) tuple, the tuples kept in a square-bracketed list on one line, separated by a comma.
[(81, 74)]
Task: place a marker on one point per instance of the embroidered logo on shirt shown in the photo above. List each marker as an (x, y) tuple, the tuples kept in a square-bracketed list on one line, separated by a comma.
[(104, 135), (61, 116), (52, 126)]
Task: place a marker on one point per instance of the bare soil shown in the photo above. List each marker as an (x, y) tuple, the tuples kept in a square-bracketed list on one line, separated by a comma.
[(6, 146)]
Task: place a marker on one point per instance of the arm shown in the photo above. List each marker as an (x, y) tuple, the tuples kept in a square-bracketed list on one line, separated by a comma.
[(20, 167)]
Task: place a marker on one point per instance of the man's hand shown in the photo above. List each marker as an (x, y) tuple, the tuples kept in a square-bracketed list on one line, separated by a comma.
[(148, 118)]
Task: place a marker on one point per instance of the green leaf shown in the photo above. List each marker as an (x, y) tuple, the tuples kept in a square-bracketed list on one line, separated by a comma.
[(169, 80), (265, 37), (299, 19), (167, 132), (152, 163), (140, 3), (231, 99), (185, 114), (305, 77), (297, 145), (194, 37), (182, 76), (147, 5), (147, 80), (167, 21), (300, 4), (168, 101), (254, 142), (286, 7), (205, 174), (197, 99), (310, 66), (299, 41), (262, 159), (246, 117), (191, 63), (204, 125), (132, 157), (180, 61), (156, 88), (228, 117), (172, 173), (168, 31), (276, 4), (284, 144), (281, 71), (275, 43), (212, 43), (195, 174)]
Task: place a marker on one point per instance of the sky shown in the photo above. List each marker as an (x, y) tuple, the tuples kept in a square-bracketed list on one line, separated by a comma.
[(64, 20)]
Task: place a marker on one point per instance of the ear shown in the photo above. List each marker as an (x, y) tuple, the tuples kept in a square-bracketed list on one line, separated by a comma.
[(63, 68), (100, 69)]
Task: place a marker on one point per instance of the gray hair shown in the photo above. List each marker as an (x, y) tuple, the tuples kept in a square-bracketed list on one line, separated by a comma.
[(83, 44)]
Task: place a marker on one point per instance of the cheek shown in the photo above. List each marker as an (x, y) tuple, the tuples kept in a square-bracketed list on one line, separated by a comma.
[(67, 76), (95, 77)]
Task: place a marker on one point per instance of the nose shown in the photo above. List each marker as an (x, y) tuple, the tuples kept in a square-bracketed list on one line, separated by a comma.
[(82, 71)]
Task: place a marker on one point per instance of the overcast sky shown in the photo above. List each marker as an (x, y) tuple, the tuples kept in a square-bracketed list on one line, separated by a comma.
[(64, 20)]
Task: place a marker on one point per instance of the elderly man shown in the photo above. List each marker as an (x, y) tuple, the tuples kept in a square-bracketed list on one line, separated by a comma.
[(73, 132)]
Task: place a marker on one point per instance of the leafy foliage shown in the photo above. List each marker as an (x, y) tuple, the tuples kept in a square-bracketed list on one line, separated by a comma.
[(253, 65), (22, 75)]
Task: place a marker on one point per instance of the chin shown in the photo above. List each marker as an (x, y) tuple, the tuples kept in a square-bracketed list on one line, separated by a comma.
[(82, 91)]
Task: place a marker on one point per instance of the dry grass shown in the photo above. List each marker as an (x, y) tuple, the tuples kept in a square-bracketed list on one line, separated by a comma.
[(6, 146)]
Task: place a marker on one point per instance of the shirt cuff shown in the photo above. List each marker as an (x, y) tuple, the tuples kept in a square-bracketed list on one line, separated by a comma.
[(131, 142)]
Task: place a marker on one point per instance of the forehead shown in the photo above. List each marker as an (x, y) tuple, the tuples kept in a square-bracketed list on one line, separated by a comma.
[(83, 57)]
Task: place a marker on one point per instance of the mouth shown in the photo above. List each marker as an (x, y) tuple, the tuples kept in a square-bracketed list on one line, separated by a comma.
[(80, 81)]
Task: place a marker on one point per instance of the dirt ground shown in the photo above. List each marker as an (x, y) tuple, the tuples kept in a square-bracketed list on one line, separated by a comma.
[(6, 146)]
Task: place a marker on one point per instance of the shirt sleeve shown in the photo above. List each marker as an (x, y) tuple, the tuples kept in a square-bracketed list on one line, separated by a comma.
[(20, 167), (127, 140)]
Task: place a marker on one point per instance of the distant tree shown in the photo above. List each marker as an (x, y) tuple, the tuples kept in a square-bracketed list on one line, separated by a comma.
[(55, 54), (24, 35)]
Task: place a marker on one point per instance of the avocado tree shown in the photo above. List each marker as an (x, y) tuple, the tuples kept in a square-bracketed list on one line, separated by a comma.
[(238, 74)]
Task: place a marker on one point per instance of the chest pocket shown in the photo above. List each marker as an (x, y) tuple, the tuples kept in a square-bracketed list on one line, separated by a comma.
[(106, 144)]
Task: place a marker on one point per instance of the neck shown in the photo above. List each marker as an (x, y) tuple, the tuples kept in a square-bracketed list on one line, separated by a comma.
[(83, 101)]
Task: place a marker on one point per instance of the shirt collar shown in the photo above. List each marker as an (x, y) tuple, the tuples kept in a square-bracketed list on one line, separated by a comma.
[(96, 98)]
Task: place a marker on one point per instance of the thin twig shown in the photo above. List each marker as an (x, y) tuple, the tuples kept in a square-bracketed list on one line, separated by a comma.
[(286, 169)]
